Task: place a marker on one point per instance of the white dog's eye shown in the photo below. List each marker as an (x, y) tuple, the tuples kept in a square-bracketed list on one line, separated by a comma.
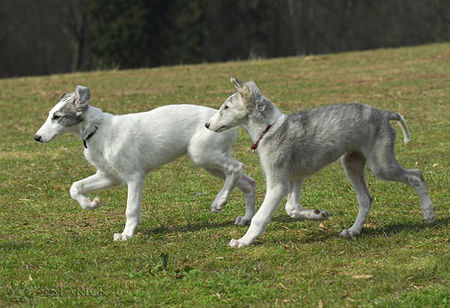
[(225, 107)]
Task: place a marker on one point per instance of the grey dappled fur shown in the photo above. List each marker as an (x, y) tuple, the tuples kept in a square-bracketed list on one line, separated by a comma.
[(326, 133), (293, 147), (71, 113)]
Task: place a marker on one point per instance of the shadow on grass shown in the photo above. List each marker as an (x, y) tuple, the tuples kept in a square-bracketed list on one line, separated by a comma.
[(187, 228), (13, 246), (367, 233), (407, 226), (318, 237)]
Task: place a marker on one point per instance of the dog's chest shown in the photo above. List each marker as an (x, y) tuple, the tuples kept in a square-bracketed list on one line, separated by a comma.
[(97, 158)]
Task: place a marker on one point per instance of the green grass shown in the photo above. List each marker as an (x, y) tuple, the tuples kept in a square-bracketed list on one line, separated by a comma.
[(52, 253)]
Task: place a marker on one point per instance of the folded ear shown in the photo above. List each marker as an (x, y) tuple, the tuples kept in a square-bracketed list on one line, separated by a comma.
[(82, 95), (241, 87), (237, 83)]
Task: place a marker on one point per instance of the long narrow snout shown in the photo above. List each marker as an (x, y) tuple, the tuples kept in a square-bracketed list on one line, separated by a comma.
[(49, 131), (217, 130), (212, 124)]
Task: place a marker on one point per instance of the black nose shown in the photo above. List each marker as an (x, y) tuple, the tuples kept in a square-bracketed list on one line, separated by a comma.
[(207, 124), (37, 138)]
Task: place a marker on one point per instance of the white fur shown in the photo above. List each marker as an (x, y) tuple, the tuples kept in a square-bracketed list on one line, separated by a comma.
[(125, 148)]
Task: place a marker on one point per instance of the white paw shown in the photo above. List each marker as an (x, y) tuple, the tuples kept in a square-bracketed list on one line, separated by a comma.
[(96, 203), (349, 233), (92, 204), (237, 243), (121, 237), (242, 221)]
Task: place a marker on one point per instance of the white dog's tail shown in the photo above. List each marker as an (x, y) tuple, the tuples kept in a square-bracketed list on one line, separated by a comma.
[(401, 121)]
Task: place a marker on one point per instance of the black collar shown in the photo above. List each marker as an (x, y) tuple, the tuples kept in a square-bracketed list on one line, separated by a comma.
[(89, 137), (255, 145)]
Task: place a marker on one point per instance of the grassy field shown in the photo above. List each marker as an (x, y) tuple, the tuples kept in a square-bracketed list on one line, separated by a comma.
[(52, 253)]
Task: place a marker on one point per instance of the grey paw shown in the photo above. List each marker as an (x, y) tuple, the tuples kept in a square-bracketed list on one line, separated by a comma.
[(349, 233), (242, 221)]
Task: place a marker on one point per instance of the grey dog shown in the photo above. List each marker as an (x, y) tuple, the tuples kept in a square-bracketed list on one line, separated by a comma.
[(293, 147)]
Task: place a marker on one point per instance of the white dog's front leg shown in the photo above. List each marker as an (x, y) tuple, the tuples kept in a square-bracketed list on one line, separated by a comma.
[(133, 211), (274, 195), (92, 183)]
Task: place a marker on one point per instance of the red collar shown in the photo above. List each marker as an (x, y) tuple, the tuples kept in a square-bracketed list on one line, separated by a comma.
[(255, 145)]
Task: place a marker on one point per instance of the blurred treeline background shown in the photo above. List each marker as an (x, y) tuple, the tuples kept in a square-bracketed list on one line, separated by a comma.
[(54, 36)]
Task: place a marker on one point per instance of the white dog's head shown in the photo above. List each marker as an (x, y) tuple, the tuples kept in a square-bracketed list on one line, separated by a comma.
[(65, 115), (236, 108)]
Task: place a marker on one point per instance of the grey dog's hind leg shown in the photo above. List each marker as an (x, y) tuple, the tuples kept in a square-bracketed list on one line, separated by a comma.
[(385, 166), (354, 166)]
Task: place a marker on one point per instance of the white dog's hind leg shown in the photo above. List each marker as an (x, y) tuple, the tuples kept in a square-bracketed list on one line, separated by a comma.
[(231, 175), (212, 152), (294, 209), (274, 195), (133, 211), (92, 183), (233, 171), (248, 187), (354, 166)]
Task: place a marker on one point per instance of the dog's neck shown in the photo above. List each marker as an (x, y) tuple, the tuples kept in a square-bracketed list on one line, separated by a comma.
[(92, 120), (262, 121)]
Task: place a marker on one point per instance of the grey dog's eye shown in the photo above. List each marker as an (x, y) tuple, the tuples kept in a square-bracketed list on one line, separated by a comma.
[(55, 117)]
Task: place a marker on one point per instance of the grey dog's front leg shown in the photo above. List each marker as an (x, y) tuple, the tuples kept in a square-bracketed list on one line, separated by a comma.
[(133, 211), (274, 195), (293, 205)]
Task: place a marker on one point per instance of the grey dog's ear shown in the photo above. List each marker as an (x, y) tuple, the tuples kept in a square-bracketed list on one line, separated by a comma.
[(82, 95), (241, 87), (237, 83)]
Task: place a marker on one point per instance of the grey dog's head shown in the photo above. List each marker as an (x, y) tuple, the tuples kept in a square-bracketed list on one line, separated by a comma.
[(65, 115), (247, 101)]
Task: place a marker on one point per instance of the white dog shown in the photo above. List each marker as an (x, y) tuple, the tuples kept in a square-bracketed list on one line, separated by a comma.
[(293, 147), (125, 148)]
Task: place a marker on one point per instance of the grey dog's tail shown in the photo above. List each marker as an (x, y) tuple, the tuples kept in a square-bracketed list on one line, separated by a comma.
[(401, 121)]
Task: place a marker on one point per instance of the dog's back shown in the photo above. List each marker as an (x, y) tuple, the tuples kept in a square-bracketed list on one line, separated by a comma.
[(326, 133), (146, 140)]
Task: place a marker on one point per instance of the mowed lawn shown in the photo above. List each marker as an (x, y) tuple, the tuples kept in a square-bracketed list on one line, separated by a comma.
[(53, 253)]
